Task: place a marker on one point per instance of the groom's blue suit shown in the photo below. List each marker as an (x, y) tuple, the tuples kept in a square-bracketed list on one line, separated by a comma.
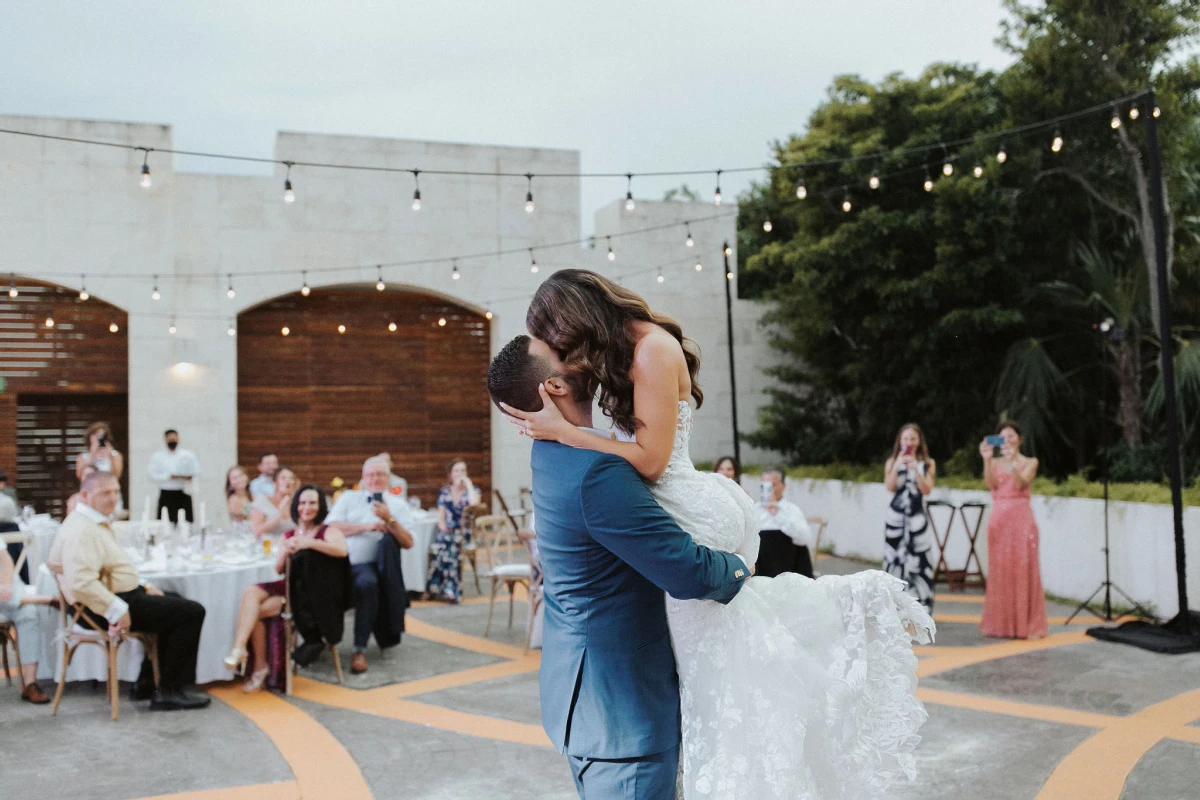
[(609, 690)]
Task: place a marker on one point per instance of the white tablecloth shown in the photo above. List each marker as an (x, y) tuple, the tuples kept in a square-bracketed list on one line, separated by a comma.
[(415, 561), (44, 530), (218, 589)]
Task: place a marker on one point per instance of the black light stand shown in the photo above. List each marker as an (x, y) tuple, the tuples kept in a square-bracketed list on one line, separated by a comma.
[(1107, 330), (737, 444)]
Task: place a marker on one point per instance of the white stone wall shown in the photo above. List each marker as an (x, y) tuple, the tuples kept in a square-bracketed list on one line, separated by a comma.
[(68, 209)]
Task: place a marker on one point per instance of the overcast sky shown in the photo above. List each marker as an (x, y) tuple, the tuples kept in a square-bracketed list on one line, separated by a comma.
[(632, 86)]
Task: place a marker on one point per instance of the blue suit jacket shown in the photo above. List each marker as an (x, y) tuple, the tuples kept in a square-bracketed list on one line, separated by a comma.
[(608, 683)]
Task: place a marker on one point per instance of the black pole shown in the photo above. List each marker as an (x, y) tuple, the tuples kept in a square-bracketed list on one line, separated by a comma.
[(737, 443), (1183, 622), (1104, 466)]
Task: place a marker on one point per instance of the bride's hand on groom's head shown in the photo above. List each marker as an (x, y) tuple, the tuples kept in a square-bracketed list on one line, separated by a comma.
[(546, 423)]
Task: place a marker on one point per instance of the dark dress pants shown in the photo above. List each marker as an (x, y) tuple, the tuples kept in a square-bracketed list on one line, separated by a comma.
[(177, 622), (777, 554), (366, 602), (174, 501)]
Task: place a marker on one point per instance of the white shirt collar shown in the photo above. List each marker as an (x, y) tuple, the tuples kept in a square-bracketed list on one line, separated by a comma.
[(92, 514)]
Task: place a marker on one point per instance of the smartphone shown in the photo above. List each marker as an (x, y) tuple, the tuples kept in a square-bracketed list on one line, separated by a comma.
[(102, 439), (908, 450), (995, 441), (377, 497)]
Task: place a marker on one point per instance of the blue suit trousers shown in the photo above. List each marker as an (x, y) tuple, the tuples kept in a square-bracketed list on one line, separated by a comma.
[(643, 778)]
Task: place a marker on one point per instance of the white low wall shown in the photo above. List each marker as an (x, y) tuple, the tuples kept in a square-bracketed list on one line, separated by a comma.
[(1072, 535)]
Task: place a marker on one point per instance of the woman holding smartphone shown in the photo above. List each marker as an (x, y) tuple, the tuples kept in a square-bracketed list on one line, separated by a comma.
[(1015, 604), (909, 475)]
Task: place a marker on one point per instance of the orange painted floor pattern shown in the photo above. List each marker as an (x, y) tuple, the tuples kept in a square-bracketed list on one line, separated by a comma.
[(1095, 770)]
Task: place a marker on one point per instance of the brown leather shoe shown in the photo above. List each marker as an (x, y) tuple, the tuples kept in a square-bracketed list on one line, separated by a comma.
[(358, 663), (34, 694)]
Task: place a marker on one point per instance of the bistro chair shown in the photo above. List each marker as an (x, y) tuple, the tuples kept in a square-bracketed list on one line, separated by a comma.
[(499, 536), (535, 585), (520, 514)]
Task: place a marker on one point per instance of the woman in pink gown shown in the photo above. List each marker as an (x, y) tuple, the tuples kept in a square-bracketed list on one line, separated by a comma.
[(1015, 605)]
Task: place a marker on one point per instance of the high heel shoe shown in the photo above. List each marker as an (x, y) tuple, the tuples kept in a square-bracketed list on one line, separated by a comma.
[(256, 680), (236, 660)]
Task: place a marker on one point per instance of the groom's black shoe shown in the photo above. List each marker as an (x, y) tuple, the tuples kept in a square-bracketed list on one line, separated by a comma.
[(178, 700)]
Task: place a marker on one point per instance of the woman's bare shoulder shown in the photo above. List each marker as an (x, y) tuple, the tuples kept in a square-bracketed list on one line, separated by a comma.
[(655, 344)]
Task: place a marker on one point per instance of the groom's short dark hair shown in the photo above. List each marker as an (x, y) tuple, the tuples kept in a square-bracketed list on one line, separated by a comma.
[(514, 376)]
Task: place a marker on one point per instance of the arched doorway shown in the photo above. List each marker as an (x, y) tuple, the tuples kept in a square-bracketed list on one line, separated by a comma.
[(62, 367), (408, 376)]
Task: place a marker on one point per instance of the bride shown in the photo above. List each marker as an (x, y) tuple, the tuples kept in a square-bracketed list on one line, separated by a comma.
[(796, 689)]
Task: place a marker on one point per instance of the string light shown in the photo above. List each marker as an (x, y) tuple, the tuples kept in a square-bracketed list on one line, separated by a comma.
[(660, 277), (230, 293), (533, 267), (1002, 154), (947, 167), (717, 193), (611, 255), (392, 327), (728, 275), (12, 285), (690, 241), (379, 284), (83, 292), (874, 181), (629, 205), (846, 205), (416, 203), (727, 250), (145, 182), (441, 322), (767, 225), (1134, 113), (699, 266), (529, 194), (488, 314), (978, 170), (304, 290), (231, 330), (801, 191), (341, 328), (154, 293), (454, 274), (288, 195), (1115, 122), (1156, 112), (49, 321), (928, 181), (285, 330), (171, 330), (1056, 146), (113, 327)]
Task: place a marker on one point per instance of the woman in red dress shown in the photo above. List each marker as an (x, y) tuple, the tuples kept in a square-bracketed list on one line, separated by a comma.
[(1015, 605), (265, 600)]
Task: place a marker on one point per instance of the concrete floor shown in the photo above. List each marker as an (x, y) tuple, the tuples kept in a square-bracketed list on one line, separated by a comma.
[(451, 715)]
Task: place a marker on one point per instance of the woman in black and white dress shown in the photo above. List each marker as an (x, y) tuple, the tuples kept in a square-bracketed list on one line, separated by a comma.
[(909, 475)]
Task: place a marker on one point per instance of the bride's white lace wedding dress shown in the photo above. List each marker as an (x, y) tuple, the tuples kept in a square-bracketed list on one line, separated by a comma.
[(798, 688)]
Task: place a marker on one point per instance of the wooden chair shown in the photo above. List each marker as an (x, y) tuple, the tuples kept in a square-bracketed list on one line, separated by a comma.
[(536, 597), (818, 524), (289, 635), (470, 549), (77, 628), (498, 536), (520, 514)]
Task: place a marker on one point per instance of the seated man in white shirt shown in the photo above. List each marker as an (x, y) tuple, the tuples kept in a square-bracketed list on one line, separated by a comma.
[(784, 533), (364, 516)]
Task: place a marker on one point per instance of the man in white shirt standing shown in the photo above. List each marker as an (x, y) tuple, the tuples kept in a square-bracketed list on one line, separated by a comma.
[(364, 516), (264, 484), (785, 536), (173, 470)]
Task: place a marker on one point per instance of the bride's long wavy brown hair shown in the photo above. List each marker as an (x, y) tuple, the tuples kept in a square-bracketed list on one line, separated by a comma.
[(586, 319)]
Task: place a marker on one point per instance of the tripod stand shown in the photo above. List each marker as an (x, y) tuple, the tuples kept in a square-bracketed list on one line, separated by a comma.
[(1108, 331)]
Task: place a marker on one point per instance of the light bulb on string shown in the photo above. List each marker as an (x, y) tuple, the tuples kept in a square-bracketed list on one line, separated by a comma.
[(767, 226), (699, 266), (846, 204), (629, 204), (488, 314), (12, 285), (145, 181), (728, 275), (113, 327), (416, 203), (727, 250), (83, 292), (231, 330), (660, 277), (288, 195), (1115, 122), (717, 193), (611, 255), (801, 190), (49, 321), (172, 329), (1134, 113), (690, 241), (379, 284), (978, 170), (304, 290), (874, 181), (1002, 154), (947, 168), (230, 293), (341, 328), (1156, 113), (529, 194), (285, 330), (454, 273), (154, 293), (1056, 145), (533, 267), (441, 322), (928, 181), (392, 327)]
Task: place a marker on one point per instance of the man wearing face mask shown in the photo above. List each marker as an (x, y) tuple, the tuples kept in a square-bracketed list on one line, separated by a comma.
[(174, 471)]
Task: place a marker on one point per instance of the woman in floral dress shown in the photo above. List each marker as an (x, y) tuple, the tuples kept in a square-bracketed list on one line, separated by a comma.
[(444, 580)]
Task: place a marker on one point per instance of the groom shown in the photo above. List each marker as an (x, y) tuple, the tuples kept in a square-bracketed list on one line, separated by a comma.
[(609, 691)]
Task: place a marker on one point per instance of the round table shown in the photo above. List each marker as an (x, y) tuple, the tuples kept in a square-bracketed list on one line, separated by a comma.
[(218, 588), (414, 562)]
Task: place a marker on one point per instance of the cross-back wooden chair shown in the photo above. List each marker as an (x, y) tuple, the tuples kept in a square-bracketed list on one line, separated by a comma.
[(289, 635), (499, 538), (8, 628), (77, 628), (470, 549), (515, 517), (536, 597)]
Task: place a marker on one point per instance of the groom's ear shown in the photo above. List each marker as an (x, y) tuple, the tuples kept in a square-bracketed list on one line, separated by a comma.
[(556, 386)]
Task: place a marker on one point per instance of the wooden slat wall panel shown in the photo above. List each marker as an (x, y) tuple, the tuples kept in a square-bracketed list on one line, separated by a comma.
[(8, 436), (325, 401)]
